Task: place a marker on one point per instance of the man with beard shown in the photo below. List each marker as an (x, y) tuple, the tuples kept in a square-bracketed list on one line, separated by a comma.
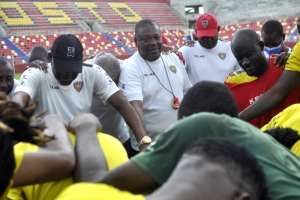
[(258, 75), (153, 83)]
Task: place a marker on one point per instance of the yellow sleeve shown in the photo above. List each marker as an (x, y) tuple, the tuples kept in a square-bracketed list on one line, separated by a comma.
[(288, 118), (113, 150), (296, 148), (293, 63), (80, 191), (240, 76)]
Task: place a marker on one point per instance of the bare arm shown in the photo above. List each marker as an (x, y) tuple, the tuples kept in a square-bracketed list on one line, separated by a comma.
[(131, 178), (275, 95), (54, 162), (130, 115), (90, 160), (21, 98)]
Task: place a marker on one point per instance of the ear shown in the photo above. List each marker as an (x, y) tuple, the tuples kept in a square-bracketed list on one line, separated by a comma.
[(261, 45), (135, 41), (49, 55), (218, 28), (283, 37)]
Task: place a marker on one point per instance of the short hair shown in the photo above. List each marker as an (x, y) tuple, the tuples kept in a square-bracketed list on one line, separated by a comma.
[(5, 61), (38, 53), (143, 23), (7, 160), (285, 136), (110, 64), (208, 96), (233, 158), (272, 26)]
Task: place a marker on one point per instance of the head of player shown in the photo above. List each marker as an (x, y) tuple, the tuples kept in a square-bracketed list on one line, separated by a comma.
[(148, 39), (38, 53), (66, 58), (110, 64), (285, 136), (6, 75), (207, 30), (273, 37), (216, 168), (208, 96), (249, 52)]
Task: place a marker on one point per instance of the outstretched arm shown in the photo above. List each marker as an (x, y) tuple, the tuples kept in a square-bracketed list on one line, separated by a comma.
[(54, 162), (132, 116), (90, 160), (269, 100), (21, 98)]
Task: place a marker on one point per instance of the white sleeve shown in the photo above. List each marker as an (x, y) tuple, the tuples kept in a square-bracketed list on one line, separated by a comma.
[(31, 81), (104, 86), (130, 83), (184, 50)]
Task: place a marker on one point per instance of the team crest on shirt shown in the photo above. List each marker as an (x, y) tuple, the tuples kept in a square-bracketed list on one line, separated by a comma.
[(173, 69), (222, 55), (204, 23), (78, 86)]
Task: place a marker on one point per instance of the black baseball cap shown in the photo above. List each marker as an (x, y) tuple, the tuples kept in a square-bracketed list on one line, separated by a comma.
[(67, 54)]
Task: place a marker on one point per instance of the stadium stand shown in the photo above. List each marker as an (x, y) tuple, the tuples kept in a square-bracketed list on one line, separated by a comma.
[(30, 23)]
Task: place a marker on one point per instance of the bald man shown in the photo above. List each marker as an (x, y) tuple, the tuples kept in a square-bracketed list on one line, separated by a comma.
[(258, 75)]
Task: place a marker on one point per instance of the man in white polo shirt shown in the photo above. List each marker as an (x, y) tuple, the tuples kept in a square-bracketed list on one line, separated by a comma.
[(68, 87), (210, 58), (153, 83)]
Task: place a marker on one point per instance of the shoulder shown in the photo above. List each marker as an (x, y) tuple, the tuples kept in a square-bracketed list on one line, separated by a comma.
[(239, 76)]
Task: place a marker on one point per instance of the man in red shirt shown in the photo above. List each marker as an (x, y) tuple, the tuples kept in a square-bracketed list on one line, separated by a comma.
[(258, 74)]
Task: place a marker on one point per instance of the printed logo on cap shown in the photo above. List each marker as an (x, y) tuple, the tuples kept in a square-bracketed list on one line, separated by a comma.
[(204, 23), (71, 51)]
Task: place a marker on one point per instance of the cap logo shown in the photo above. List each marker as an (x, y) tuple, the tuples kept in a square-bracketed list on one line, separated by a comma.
[(71, 51), (204, 23)]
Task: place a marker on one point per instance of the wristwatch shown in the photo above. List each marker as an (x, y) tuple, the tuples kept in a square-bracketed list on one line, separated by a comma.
[(145, 140)]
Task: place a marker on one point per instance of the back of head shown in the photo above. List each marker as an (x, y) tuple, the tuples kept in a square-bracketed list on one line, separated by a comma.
[(110, 64), (285, 136), (236, 160), (208, 96), (143, 23), (38, 53), (272, 26)]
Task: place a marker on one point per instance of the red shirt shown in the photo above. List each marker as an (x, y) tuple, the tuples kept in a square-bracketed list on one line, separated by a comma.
[(247, 93)]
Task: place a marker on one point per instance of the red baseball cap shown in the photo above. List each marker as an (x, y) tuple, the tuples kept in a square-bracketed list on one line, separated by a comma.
[(206, 25)]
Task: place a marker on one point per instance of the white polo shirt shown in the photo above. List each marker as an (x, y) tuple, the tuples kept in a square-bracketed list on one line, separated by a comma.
[(69, 100), (138, 82), (209, 64)]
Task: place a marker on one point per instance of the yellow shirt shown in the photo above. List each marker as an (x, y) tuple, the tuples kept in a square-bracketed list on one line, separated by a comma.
[(288, 118), (296, 148), (19, 155), (293, 63), (240, 76), (99, 191), (114, 153)]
